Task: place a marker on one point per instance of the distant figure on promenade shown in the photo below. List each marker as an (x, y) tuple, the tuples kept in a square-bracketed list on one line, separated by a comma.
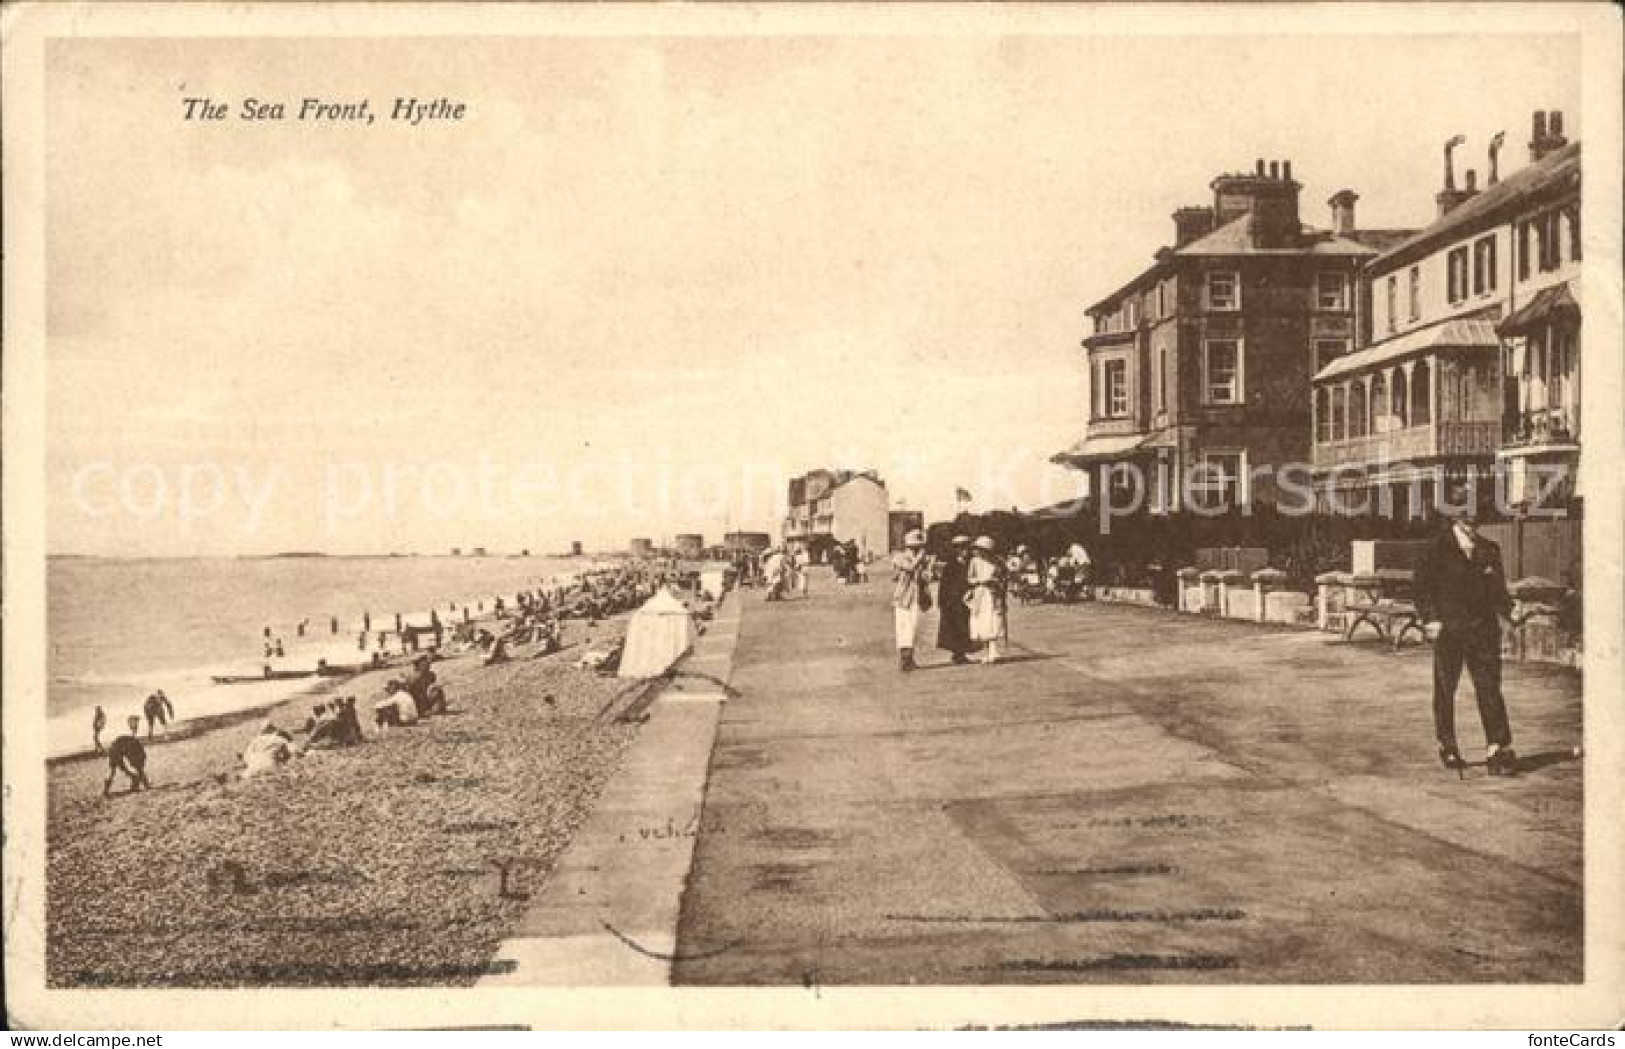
[(98, 721), (159, 711), (800, 559), (838, 564), (1461, 595), (911, 595), (1083, 567), (773, 571), (953, 622), (986, 598), (128, 756), (279, 652)]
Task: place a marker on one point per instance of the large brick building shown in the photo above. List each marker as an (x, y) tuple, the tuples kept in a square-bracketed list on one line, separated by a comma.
[(1200, 367)]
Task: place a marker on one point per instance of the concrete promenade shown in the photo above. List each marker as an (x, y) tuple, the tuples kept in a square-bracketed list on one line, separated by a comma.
[(1138, 796), (607, 915)]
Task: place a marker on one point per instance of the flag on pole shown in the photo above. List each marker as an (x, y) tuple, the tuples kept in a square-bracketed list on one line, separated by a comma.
[(962, 497)]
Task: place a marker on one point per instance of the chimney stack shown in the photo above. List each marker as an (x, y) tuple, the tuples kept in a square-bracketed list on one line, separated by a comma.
[(1191, 223), (1472, 182), (1342, 205), (1495, 157), (1286, 170), (1269, 199), (1547, 135), (1448, 197)]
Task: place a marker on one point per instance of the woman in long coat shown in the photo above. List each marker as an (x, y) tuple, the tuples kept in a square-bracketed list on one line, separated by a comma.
[(986, 598), (953, 619)]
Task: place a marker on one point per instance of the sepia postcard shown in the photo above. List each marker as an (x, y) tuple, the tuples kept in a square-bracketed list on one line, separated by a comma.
[(812, 516)]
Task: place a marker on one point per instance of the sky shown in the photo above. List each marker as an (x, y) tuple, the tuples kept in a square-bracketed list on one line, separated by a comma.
[(644, 281)]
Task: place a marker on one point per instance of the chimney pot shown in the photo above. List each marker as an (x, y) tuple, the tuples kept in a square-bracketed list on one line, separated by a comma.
[(1540, 124), (1260, 170), (1554, 124), (1275, 169), (1286, 170), (1472, 181)]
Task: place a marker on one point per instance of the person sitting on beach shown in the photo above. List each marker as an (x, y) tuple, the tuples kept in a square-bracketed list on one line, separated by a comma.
[(420, 684), (324, 733), (396, 708), (158, 711), (318, 714), (128, 756), (348, 731), (270, 748), (98, 722)]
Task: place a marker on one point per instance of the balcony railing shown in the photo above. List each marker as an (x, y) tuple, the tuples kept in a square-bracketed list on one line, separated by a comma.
[(1468, 438), (1540, 426)]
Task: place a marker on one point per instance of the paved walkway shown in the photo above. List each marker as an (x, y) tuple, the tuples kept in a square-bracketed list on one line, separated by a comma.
[(1138, 797)]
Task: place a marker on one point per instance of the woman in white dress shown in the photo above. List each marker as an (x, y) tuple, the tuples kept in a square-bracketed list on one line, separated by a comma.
[(986, 598)]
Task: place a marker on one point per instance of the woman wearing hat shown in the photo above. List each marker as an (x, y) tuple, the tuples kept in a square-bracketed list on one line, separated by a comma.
[(986, 598), (953, 624), (911, 594)]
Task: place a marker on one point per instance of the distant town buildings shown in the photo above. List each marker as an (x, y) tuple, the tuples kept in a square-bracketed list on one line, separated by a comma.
[(746, 542), (829, 506), (1200, 367), (644, 548), (689, 545)]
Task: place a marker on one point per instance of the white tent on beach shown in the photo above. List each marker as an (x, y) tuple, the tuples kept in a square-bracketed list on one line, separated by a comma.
[(658, 634)]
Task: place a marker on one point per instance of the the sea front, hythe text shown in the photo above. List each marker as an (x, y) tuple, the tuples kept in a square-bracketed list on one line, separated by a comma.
[(411, 111)]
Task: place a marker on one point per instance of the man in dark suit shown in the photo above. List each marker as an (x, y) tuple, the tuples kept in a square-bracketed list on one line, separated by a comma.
[(1461, 594)]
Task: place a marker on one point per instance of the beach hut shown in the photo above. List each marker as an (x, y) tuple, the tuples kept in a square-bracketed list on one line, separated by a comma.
[(659, 633)]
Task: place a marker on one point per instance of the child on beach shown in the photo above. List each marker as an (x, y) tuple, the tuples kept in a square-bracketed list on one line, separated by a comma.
[(97, 723), (128, 756)]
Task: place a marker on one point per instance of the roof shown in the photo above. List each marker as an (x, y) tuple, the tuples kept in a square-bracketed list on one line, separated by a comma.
[(1381, 239), (1548, 303), (1236, 238), (1095, 449), (1556, 172), (1130, 285), (1457, 332)]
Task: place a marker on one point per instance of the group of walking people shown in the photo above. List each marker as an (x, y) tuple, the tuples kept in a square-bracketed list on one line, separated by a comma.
[(784, 571), (972, 599)]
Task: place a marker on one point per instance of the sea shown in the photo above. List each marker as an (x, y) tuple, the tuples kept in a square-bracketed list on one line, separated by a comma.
[(120, 628)]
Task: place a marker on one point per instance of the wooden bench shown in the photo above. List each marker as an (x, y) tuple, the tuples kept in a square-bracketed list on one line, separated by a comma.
[(1385, 605)]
